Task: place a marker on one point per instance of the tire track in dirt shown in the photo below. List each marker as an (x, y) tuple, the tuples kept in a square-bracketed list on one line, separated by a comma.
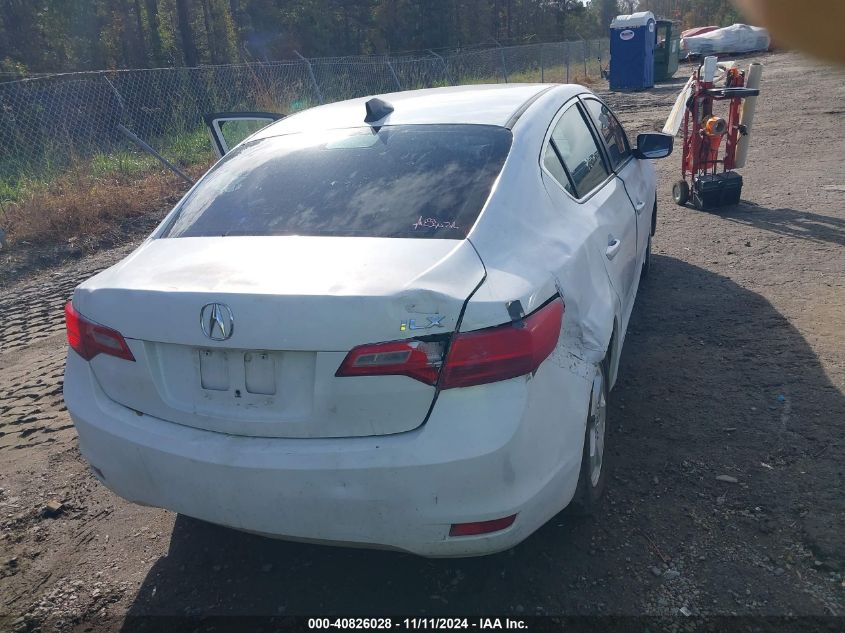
[(32, 312), (30, 398), (32, 352)]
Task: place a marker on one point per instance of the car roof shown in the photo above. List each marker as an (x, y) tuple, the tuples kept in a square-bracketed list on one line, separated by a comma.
[(484, 104)]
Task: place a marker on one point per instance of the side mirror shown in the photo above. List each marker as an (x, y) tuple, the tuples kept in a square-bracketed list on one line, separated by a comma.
[(654, 145)]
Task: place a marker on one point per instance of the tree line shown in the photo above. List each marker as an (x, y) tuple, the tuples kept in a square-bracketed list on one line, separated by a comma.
[(68, 35)]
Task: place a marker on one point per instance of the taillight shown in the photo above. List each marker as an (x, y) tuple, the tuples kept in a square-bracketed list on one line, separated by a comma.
[(89, 339), (417, 359), (505, 351), (474, 358)]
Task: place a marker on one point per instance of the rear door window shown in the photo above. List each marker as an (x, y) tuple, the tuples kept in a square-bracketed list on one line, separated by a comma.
[(552, 163), (611, 132), (575, 144), (424, 181)]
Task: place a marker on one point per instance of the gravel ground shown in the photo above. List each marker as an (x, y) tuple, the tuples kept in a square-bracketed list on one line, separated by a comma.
[(726, 442)]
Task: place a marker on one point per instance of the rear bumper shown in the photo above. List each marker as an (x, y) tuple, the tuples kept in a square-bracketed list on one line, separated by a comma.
[(485, 453)]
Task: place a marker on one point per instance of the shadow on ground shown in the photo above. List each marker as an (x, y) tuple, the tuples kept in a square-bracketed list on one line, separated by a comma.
[(788, 222), (701, 393)]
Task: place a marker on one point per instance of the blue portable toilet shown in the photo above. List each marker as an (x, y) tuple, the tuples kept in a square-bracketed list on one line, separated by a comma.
[(632, 40)]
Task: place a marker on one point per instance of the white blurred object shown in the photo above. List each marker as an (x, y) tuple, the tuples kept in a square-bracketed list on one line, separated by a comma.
[(676, 116), (632, 21), (738, 38), (709, 73), (746, 118)]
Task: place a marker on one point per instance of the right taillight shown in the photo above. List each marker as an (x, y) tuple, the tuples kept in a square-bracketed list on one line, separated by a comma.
[(505, 351), (88, 339), (473, 358)]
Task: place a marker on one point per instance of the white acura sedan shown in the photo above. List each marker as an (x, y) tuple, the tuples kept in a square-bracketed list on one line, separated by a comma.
[(388, 322)]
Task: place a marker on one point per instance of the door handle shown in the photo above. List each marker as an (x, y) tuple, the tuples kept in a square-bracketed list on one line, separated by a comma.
[(639, 207), (612, 247)]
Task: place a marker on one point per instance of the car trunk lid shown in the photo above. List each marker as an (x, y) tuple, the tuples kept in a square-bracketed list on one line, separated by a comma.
[(297, 306)]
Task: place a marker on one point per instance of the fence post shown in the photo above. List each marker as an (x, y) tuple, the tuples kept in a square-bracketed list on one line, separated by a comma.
[(504, 65), (147, 148), (116, 93), (586, 55), (599, 59), (445, 67), (139, 141), (393, 72), (542, 67), (313, 77), (567, 62)]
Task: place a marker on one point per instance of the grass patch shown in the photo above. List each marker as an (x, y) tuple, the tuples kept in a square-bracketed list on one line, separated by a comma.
[(185, 149), (188, 148), (84, 204), (127, 164), (92, 197)]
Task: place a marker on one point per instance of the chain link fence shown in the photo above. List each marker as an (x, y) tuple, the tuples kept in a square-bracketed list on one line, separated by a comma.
[(51, 123)]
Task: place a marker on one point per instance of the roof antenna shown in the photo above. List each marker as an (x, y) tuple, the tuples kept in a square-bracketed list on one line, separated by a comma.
[(377, 109)]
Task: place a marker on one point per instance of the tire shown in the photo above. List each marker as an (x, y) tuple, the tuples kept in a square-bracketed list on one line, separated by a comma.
[(593, 473), (680, 192)]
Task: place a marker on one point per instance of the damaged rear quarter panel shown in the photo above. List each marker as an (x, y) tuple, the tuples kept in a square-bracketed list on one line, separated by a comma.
[(532, 249)]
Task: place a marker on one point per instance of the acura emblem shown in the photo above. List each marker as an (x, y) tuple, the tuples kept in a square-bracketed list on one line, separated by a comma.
[(217, 321)]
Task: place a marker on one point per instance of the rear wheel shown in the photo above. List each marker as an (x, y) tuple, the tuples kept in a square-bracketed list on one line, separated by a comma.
[(591, 480), (680, 192)]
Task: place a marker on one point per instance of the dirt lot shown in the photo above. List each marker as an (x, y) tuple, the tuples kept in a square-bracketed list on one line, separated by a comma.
[(734, 365)]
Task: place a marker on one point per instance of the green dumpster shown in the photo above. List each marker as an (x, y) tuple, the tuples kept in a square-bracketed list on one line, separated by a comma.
[(667, 49)]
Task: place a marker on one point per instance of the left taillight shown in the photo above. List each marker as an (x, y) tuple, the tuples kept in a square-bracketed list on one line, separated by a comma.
[(416, 359), (89, 339)]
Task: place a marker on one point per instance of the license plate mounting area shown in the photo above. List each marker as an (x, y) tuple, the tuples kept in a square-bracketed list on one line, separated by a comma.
[(241, 372)]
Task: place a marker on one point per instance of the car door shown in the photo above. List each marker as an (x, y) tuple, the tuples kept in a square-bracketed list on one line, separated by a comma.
[(574, 160), (227, 129), (637, 175)]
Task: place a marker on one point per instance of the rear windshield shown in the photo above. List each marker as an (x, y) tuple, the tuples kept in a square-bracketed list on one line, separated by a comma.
[(425, 181)]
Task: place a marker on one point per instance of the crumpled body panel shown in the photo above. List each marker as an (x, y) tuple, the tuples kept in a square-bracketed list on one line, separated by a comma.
[(559, 249)]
